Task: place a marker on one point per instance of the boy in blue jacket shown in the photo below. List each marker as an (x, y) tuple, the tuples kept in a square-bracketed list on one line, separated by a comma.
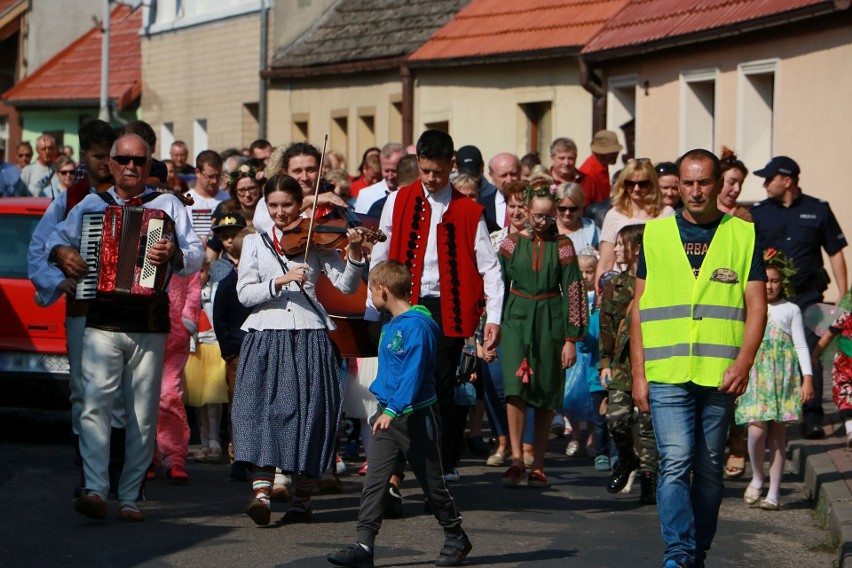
[(405, 422)]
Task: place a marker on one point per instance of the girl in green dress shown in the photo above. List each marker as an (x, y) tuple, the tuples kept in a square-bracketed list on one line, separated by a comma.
[(545, 313)]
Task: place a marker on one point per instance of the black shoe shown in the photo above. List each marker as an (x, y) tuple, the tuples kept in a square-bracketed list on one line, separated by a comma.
[(478, 446), (812, 430), (393, 502), (454, 552), (353, 555), (621, 474), (648, 487), (297, 515)]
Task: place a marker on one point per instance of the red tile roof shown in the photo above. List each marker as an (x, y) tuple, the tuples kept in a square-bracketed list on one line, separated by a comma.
[(648, 21), (73, 76), (498, 27)]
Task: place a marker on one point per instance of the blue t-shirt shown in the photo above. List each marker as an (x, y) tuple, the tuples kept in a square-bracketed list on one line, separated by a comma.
[(696, 240)]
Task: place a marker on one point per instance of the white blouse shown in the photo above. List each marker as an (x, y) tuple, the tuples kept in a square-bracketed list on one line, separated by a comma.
[(288, 308), (788, 317)]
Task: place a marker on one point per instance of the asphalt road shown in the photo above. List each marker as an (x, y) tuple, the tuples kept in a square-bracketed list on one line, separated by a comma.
[(575, 523)]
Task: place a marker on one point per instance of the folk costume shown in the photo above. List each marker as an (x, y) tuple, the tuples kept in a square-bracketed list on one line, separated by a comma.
[(545, 306)]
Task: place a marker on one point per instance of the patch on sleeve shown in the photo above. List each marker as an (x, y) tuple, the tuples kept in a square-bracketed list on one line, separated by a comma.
[(396, 345)]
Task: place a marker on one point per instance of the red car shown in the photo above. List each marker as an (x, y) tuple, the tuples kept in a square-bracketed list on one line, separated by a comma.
[(33, 361)]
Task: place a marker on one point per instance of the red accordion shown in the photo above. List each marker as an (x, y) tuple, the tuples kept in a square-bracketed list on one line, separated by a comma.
[(115, 244)]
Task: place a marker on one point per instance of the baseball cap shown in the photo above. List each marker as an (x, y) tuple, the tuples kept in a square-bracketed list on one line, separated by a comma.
[(469, 160), (606, 142), (229, 221), (779, 165)]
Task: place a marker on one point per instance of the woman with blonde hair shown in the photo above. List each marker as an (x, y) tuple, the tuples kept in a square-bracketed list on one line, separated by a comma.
[(570, 206), (636, 199)]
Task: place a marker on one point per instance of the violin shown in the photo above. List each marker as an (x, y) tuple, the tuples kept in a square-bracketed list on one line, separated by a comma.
[(328, 232)]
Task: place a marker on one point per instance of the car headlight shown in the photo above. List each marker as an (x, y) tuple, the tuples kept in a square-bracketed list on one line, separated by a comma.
[(22, 362)]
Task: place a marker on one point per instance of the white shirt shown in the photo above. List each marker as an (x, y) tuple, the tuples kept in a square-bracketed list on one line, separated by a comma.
[(788, 316), (68, 232), (202, 209), (500, 209), (486, 258), (369, 195), (288, 308)]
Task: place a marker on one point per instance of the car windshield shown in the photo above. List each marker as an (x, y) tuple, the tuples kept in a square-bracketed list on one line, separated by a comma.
[(15, 233)]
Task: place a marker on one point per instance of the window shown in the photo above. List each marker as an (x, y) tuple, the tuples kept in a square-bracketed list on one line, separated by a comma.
[(167, 136), (538, 126), (621, 111), (442, 125), (300, 127), (15, 234), (366, 130), (251, 125), (339, 136), (756, 120), (199, 136), (698, 109), (395, 121)]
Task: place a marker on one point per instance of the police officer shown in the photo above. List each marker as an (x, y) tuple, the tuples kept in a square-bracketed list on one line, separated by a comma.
[(799, 226)]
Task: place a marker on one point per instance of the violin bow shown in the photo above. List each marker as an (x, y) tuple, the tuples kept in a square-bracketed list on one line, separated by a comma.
[(316, 199)]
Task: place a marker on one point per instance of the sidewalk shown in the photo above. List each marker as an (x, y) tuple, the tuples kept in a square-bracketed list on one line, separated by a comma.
[(826, 467)]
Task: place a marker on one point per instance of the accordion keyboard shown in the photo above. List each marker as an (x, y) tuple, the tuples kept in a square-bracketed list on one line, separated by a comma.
[(90, 248)]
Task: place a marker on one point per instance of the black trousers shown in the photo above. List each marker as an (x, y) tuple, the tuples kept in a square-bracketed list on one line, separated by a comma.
[(416, 436), (453, 418)]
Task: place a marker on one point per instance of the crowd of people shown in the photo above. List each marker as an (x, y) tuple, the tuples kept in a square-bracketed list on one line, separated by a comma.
[(645, 316)]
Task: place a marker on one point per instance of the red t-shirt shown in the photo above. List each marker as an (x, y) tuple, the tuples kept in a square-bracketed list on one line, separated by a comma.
[(595, 180)]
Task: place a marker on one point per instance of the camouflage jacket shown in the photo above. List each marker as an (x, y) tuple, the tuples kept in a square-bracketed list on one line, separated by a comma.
[(614, 346)]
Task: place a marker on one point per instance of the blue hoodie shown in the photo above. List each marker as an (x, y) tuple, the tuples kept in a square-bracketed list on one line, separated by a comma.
[(407, 351)]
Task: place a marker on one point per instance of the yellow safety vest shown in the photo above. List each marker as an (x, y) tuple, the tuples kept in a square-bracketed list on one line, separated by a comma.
[(692, 328)]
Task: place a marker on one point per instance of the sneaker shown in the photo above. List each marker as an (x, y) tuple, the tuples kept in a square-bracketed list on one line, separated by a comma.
[(130, 513), (353, 556), (679, 562), (363, 470), (455, 551), (573, 449), (452, 476), (258, 511), (339, 466), (602, 463), (393, 502), (513, 476), (496, 459)]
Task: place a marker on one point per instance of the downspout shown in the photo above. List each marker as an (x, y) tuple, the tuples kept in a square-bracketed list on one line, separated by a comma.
[(407, 104), (592, 84), (262, 87), (103, 113)]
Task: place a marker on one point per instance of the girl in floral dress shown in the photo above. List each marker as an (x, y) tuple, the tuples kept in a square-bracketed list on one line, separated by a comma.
[(774, 396), (545, 314)]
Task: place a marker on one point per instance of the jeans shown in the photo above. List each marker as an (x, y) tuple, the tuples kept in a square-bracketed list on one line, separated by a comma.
[(495, 404), (691, 425)]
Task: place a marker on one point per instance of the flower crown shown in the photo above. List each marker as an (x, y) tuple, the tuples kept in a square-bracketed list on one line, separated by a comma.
[(540, 190), (777, 260), (244, 170)]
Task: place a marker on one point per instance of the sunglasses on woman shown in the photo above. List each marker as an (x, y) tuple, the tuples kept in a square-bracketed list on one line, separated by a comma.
[(567, 208), (643, 184)]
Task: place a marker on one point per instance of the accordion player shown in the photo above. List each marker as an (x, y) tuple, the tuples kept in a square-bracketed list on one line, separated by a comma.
[(114, 244)]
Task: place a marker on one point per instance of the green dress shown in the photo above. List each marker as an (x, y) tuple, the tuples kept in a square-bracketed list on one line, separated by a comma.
[(545, 305)]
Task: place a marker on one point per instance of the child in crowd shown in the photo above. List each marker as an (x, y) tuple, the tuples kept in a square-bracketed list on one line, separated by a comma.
[(228, 317), (406, 421), (614, 366), (206, 388), (841, 373), (773, 396)]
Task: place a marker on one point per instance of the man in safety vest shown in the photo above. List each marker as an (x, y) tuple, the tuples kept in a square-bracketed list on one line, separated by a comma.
[(698, 319)]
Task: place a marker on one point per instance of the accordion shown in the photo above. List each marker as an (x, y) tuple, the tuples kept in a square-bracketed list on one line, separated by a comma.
[(115, 244)]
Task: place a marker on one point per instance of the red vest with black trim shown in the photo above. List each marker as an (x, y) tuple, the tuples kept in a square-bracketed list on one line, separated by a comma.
[(462, 289)]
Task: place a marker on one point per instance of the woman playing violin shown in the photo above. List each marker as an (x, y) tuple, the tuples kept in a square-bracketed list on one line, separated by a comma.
[(288, 392)]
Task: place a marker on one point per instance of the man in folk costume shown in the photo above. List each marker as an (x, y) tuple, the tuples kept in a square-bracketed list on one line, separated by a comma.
[(442, 238)]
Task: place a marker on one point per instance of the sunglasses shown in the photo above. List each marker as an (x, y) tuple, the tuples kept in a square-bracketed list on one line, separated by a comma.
[(25, 155), (539, 218), (138, 161), (567, 208), (66, 172), (630, 184)]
